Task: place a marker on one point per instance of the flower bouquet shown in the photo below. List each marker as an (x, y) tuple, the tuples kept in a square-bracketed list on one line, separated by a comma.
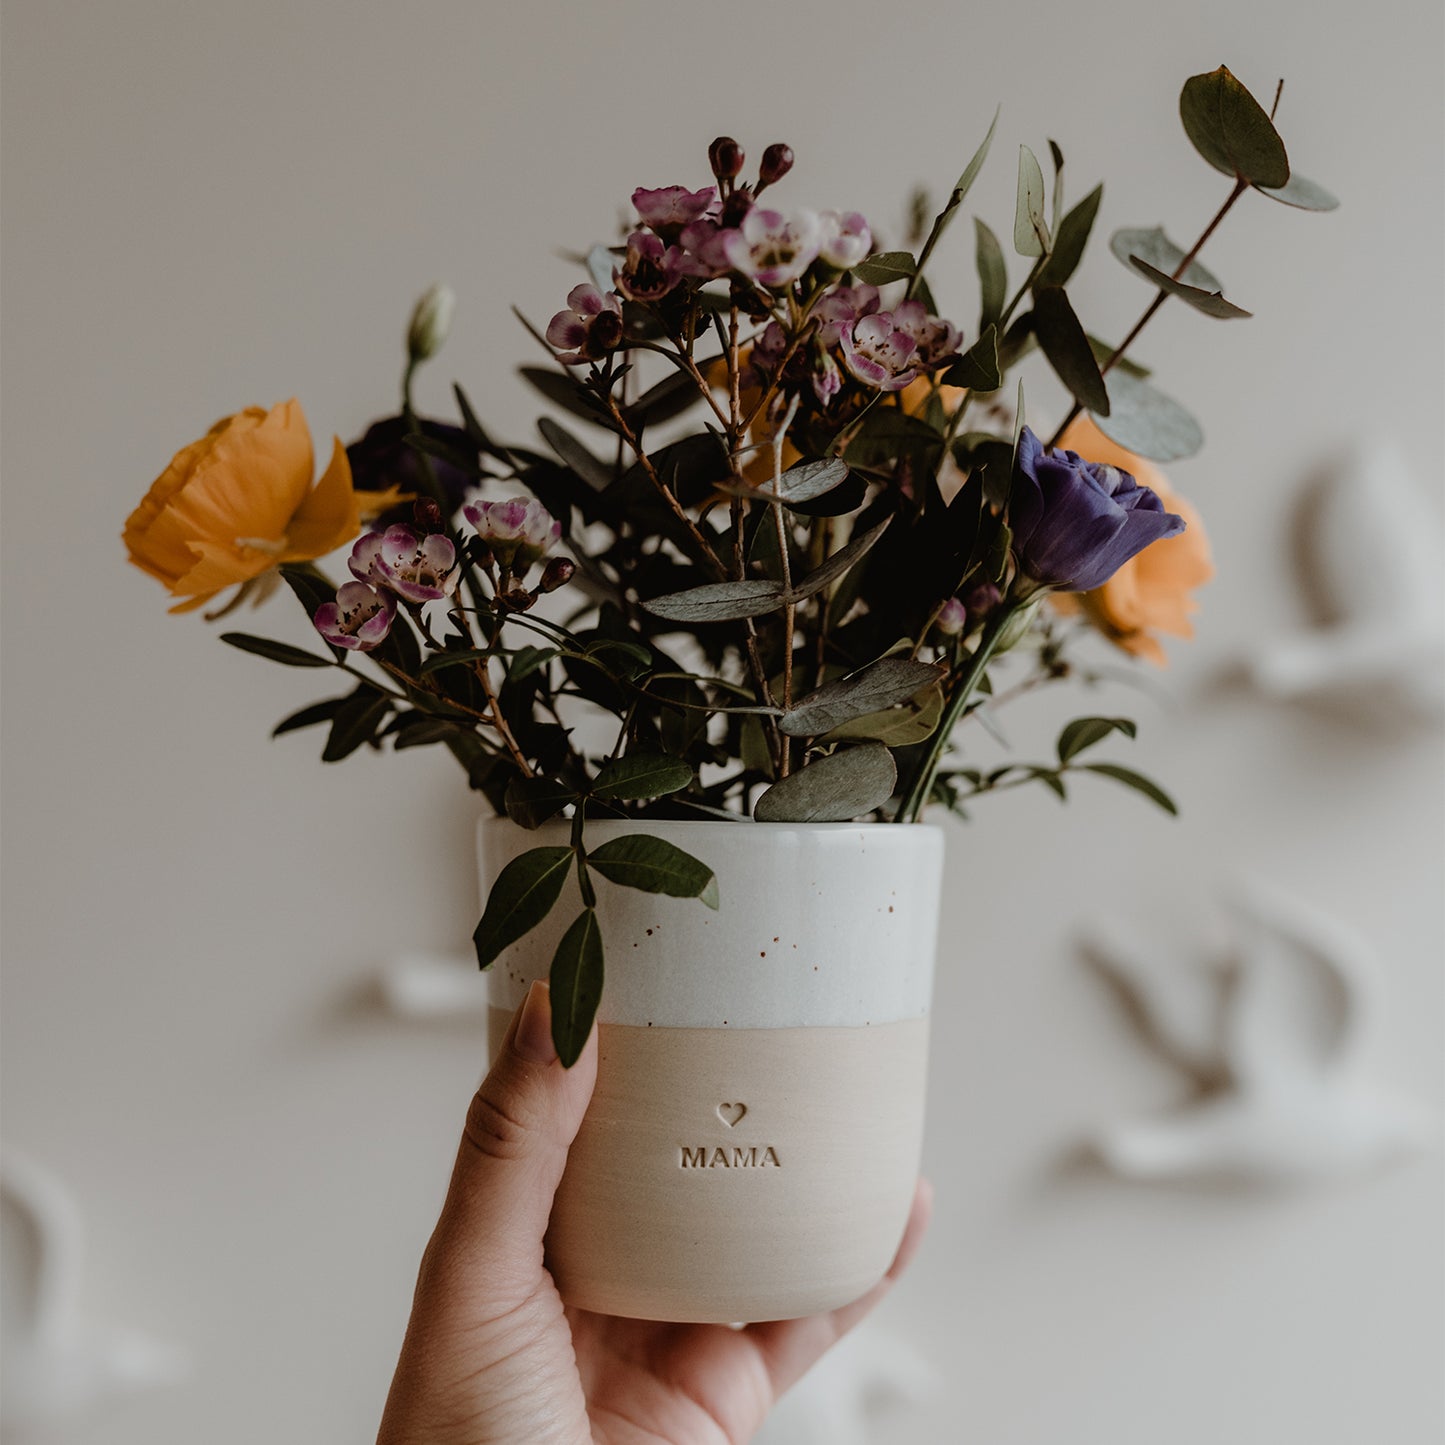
[(785, 536)]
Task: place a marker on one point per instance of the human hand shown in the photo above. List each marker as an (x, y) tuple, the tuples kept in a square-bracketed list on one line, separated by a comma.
[(493, 1357)]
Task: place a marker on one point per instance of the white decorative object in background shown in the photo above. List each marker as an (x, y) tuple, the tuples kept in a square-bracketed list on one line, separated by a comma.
[(1370, 552), (53, 1367), (1271, 1044), (425, 986)]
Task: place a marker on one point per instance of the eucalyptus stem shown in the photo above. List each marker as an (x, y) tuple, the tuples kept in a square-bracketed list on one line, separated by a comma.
[(916, 798)]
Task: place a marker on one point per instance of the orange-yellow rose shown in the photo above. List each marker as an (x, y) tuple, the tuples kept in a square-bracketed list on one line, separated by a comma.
[(238, 502), (1150, 592)]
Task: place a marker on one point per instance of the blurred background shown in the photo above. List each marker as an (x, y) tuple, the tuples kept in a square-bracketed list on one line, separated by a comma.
[(212, 206)]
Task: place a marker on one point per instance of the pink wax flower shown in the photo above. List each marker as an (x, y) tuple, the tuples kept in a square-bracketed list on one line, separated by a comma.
[(517, 531), (845, 239), (669, 208), (649, 270), (589, 328), (938, 340), (878, 353), (417, 568), (773, 249), (843, 305), (359, 619)]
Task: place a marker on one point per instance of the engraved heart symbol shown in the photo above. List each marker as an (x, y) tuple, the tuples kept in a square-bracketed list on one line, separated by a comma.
[(731, 1114)]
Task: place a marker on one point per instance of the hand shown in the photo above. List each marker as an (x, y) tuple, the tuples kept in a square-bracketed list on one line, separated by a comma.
[(493, 1355)]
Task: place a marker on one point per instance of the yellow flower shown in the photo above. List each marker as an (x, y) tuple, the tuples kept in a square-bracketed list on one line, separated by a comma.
[(1150, 592), (238, 502)]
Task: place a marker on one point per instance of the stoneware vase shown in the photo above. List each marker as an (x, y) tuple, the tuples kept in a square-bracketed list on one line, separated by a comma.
[(751, 1148)]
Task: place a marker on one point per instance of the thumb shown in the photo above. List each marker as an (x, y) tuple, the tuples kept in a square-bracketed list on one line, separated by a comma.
[(519, 1127)]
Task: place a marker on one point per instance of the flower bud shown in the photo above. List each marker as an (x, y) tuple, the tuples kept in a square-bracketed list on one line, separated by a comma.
[(428, 515), (725, 156), (606, 333), (431, 320), (951, 618), (557, 573), (777, 162)]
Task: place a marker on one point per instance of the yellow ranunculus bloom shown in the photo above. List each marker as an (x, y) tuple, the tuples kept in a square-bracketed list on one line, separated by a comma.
[(1150, 592), (238, 502)]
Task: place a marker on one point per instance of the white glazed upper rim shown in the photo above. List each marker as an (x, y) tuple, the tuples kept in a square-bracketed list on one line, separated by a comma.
[(710, 827)]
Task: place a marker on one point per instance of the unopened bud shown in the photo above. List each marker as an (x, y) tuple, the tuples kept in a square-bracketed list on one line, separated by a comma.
[(725, 156), (431, 320), (557, 573), (777, 162), (951, 618), (736, 207), (605, 333), (428, 515)]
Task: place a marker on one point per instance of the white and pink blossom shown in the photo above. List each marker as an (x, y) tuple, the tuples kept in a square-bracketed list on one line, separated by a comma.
[(938, 340), (845, 239), (359, 619), (649, 270), (417, 568), (589, 328), (878, 353), (669, 208), (773, 249), (517, 531)]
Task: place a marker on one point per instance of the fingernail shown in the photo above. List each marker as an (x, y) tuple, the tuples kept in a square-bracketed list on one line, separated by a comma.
[(534, 1028)]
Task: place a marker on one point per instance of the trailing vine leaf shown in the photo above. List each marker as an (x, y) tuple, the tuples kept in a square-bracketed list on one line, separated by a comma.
[(576, 985), (1211, 303), (641, 775), (1031, 231), (1084, 732), (833, 789), (1067, 348), (640, 860), (1137, 781), (1145, 421), (281, 652), (1231, 130), (882, 684), (520, 899)]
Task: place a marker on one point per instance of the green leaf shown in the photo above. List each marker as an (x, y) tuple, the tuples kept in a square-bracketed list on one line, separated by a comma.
[(1069, 242), (899, 727), (564, 392), (1104, 351), (638, 860), (882, 684), (1137, 781), (1057, 156), (462, 656), (595, 472), (311, 591), (308, 716), (1145, 421), (281, 652), (833, 789), (641, 775), (992, 274), (630, 659), (528, 660), (886, 266), (1084, 732), (1067, 348), (1211, 303), (599, 267), (520, 899), (1231, 130), (836, 565), (941, 222), (1304, 195), (978, 367), (576, 980), (807, 481), (670, 398), (1149, 243), (719, 601), (1031, 231), (531, 801), (355, 723)]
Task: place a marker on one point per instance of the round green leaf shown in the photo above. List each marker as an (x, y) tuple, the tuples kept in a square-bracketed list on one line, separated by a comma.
[(1304, 195), (1144, 420), (834, 789), (1231, 130)]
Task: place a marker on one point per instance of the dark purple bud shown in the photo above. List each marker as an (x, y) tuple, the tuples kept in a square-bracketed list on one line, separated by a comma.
[(517, 599), (777, 162), (736, 207), (557, 573), (725, 156), (428, 515), (606, 333)]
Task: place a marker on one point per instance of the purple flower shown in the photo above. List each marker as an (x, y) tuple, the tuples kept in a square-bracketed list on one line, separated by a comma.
[(846, 239), (703, 249), (773, 249), (1075, 523), (878, 353), (381, 460), (517, 531), (844, 305), (589, 328), (359, 619), (827, 379), (668, 209), (649, 270), (417, 568), (938, 340)]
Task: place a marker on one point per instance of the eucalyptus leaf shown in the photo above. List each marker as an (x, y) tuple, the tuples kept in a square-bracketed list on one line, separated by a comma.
[(1149, 243), (1211, 303), (833, 789), (961, 188), (593, 470), (530, 802), (1304, 195), (1031, 231), (1137, 781), (1144, 420), (1067, 348), (600, 263), (807, 481), (978, 367), (520, 899), (576, 986), (885, 267), (641, 775), (899, 727), (639, 860), (1231, 130), (837, 564), (281, 652), (1104, 354), (1084, 732), (719, 601), (882, 684), (1071, 237), (992, 274)]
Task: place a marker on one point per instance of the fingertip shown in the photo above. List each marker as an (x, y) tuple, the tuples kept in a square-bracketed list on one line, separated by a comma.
[(913, 1232)]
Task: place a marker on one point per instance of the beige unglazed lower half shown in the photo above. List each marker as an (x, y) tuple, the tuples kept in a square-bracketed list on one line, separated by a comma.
[(721, 1149)]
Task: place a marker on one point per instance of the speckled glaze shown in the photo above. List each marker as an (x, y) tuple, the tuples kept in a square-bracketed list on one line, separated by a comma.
[(752, 1145)]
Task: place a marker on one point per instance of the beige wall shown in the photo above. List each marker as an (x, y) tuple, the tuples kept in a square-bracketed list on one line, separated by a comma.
[(211, 205)]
